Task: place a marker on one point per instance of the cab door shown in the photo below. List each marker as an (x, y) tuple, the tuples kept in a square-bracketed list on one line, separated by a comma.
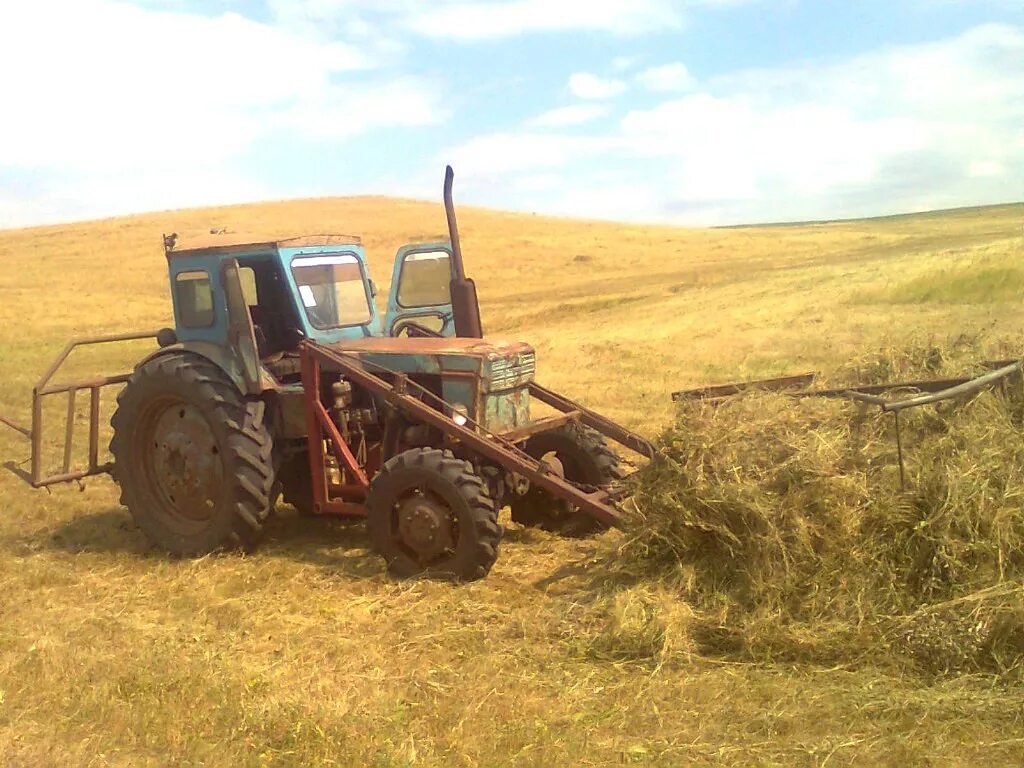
[(241, 336), (420, 302)]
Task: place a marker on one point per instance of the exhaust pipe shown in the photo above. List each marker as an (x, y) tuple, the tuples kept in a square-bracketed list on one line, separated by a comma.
[(465, 306)]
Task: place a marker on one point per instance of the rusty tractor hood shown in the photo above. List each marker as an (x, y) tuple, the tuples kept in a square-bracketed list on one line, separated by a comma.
[(501, 364)]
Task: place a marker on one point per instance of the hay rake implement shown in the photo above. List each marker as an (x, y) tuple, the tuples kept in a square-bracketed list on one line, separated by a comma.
[(924, 392)]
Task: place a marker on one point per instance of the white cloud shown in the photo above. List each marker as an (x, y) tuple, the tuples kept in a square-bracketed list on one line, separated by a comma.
[(537, 181), (902, 128), (574, 114), (82, 196), (584, 85), (482, 20), (667, 77), (624, 63), (496, 154), (140, 93), (345, 111), (981, 169)]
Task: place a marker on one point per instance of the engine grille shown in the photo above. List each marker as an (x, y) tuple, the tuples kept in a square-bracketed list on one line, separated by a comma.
[(512, 371)]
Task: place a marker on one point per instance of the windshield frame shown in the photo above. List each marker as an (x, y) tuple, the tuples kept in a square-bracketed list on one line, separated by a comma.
[(327, 258)]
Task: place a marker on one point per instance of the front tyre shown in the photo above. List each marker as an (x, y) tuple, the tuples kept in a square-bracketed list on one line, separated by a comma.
[(192, 456), (579, 455), (430, 514)]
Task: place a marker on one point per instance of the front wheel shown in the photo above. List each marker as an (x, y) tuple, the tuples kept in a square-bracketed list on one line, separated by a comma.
[(430, 514), (579, 455)]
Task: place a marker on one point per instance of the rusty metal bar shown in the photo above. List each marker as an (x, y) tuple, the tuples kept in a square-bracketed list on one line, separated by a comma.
[(70, 476), (103, 381), (341, 450), (929, 385), (727, 390), (719, 391), (74, 343), (597, 504), (936, 393), (863, 398), (540, 425), (16, 427), (314, 437), (94, 427), (37, 438), (965, 388), (594, 420), (43, 388), (899, 452), (69, 429), (347, 491)]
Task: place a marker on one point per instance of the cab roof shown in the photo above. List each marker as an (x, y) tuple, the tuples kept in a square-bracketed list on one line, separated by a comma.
[(234, 244)]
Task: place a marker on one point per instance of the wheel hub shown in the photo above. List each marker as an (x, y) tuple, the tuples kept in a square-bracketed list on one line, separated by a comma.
[(425, 526), (186, 462)]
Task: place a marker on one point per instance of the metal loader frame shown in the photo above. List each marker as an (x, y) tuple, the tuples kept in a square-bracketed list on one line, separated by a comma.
[(501, 449), (573, 410), (43, 388)]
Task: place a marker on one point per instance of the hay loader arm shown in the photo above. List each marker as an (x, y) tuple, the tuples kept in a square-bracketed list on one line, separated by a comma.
[(599, 504), (43, 388), (570, 409), (595, 421)]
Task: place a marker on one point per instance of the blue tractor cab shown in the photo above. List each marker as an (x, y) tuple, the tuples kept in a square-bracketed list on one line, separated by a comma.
[(247, 307)]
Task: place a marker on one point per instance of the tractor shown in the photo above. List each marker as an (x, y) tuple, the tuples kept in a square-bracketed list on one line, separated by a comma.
[(280, 379)]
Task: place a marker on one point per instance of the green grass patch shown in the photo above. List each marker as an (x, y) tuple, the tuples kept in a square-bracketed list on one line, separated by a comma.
[(965, 285)]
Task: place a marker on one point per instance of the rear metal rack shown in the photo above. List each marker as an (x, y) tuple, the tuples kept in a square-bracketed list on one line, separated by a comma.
[(43, 388)]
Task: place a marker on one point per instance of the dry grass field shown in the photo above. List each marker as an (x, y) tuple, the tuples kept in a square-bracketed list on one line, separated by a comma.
[(305, 653)]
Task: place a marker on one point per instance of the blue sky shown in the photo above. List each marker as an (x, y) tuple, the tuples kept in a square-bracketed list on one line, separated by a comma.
[(691, 112)]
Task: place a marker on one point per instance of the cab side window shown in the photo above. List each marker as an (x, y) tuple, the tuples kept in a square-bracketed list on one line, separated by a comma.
[(193, 296)]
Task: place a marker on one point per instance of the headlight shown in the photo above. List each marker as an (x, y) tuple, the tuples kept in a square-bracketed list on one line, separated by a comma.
[(460, 415)]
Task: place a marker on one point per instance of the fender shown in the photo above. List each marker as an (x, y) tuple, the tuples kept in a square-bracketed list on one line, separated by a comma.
[(220, 357)]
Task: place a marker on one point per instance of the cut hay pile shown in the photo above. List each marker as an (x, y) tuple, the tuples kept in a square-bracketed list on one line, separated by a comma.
[(782, 523)]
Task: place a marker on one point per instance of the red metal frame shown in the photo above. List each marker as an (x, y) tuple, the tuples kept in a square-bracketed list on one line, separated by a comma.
[(346, 500), (599, 503)]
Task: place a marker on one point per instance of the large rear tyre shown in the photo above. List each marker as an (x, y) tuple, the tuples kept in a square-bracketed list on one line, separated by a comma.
[(192, 456), (430, 514), (580, 455)]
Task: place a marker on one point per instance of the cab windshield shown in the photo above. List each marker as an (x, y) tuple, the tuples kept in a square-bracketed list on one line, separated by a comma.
[(332, 289)]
